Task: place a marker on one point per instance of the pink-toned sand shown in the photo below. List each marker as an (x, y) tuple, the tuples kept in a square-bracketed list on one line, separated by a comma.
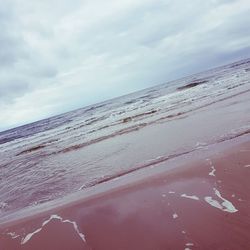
[(201, 203)]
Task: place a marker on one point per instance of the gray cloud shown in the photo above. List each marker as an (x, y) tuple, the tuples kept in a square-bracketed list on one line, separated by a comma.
[(56, 57), (12, 89), (10, 44)]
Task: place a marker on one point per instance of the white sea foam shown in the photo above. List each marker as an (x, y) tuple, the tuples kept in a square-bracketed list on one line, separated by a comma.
[(3, 205), (193, 197), (226, 205), (175, 216), (199, 145), (212, 166), (212, 202), (213, 171), (229, 206), (116, 179), (171, 192), (13, 235), (30, 235)]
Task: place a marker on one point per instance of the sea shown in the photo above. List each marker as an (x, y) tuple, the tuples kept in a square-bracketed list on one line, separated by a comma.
[(72, 152)]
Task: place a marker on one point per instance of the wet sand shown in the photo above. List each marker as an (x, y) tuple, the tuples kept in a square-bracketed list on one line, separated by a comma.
[(202, 202)]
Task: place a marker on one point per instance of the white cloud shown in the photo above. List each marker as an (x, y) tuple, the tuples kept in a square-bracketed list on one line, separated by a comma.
[(58, 56)]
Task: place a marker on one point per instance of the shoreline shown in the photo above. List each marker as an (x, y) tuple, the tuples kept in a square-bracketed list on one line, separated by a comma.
[(198, 201)]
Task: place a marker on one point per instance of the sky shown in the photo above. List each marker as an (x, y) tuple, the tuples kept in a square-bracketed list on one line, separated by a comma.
[(57, 56)]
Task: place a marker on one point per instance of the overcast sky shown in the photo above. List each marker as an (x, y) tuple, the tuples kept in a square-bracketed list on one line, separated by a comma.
[(56, 56)]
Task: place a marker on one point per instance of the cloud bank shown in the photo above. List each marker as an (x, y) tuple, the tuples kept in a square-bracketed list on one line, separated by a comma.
[(59, 55)]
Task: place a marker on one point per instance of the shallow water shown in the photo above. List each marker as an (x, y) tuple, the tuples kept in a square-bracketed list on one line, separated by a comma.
[(73, 151)]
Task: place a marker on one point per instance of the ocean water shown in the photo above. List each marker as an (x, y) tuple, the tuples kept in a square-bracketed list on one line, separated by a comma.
[(72, 152)]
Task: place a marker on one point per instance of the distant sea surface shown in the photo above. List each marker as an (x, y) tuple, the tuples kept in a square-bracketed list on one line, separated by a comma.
[(72, 152)]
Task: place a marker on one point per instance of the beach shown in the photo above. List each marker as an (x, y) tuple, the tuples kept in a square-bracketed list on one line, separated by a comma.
[(202, 203), (165, 168)]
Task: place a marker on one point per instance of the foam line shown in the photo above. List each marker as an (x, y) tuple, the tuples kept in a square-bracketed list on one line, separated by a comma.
[(30, 235), (13, 235), (193, 197)]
